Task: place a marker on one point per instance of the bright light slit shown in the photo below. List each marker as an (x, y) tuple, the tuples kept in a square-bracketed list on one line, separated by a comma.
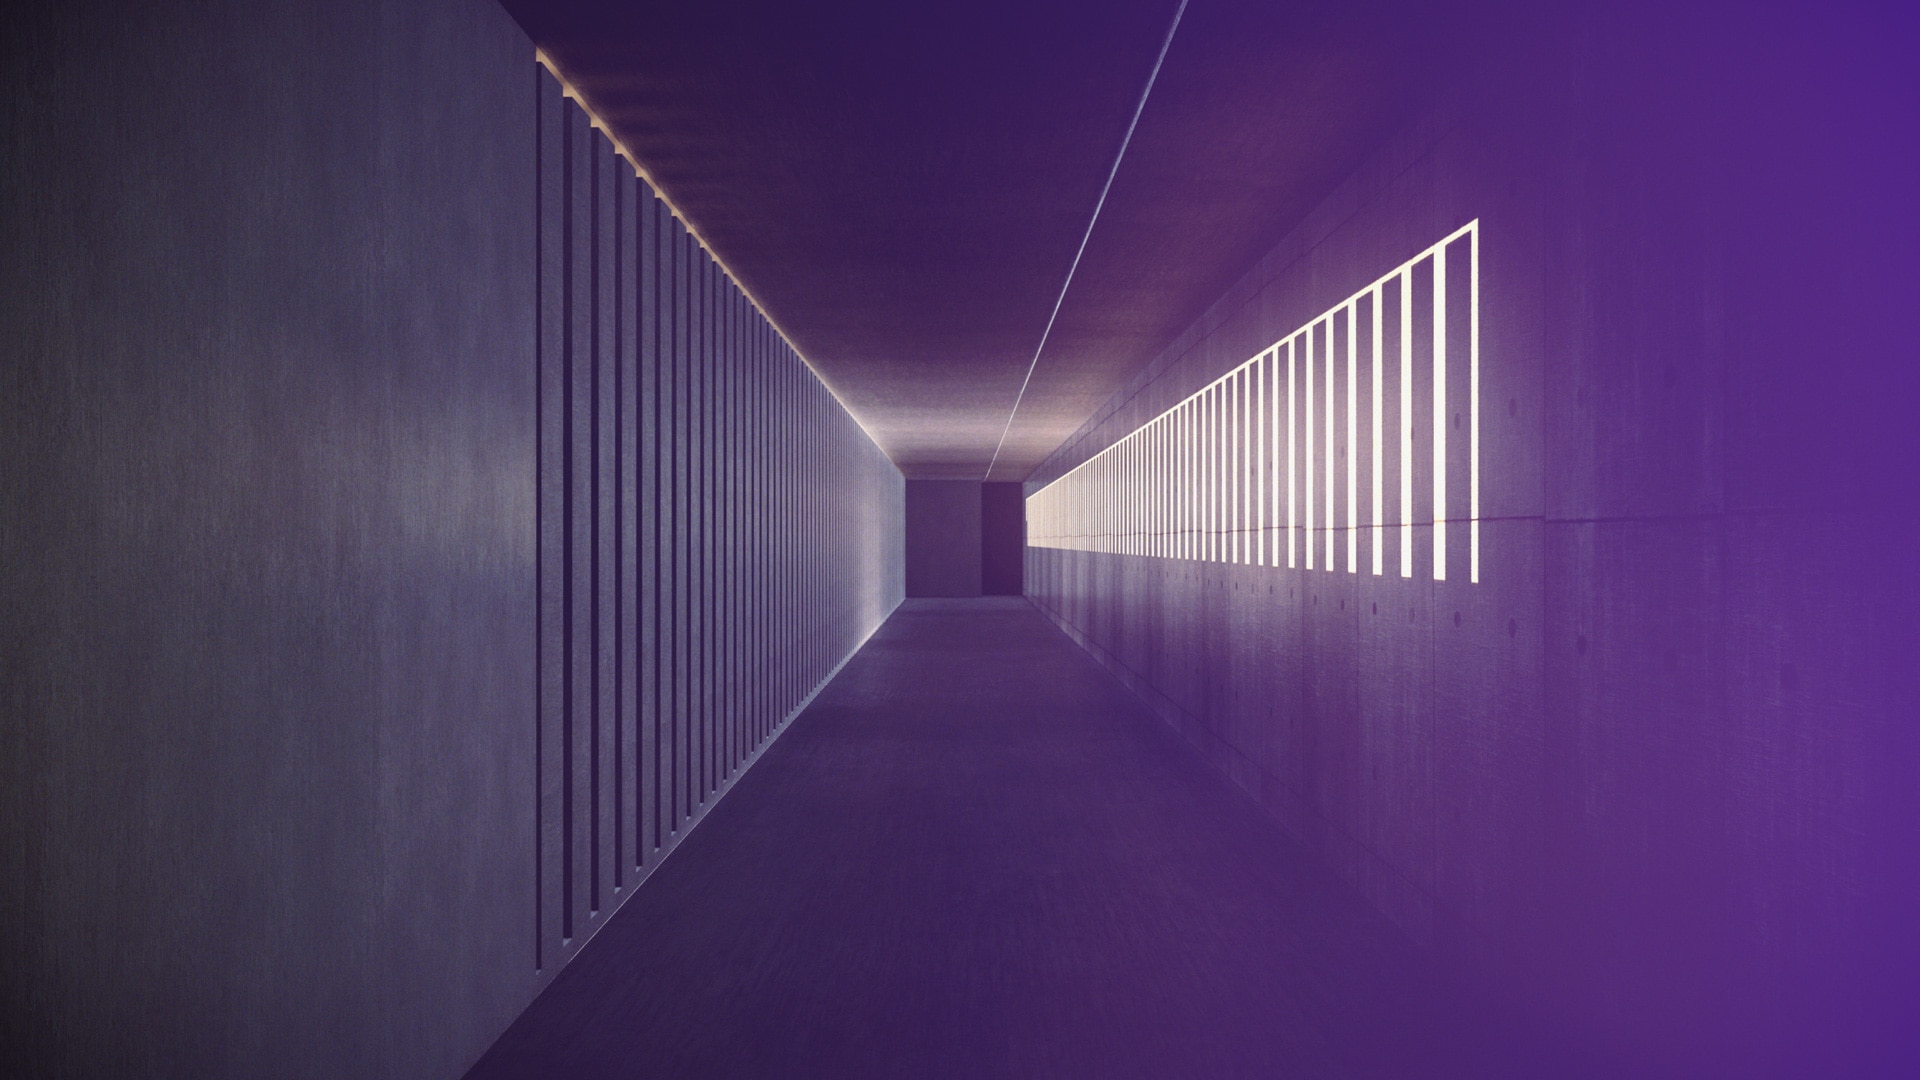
[(1406, 422), (1243, 453), (1250, 548), (1260, 455), (1194, 479), (1353, 434), (1249, 495), (1234, 443), (1270, 492), (1189, 487), (1206, 453), (1440, 414), (1379, 534), (1292, 470), (1230, 436), (1170, 502), (1473, 405), (1143, 543), (1222, 445), (1217, 461), (1222, 416), (1326, 341), (1215, 490), (1273, 456), (1203, 415), (1239, 467), (1306, 442)]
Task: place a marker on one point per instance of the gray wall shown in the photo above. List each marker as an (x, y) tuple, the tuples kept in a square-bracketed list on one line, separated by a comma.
[(943, 537), (281, 532), (1654, 773), (716, 534)]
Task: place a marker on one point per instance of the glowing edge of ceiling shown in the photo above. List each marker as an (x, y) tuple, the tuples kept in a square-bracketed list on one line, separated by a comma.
[(569, 90)]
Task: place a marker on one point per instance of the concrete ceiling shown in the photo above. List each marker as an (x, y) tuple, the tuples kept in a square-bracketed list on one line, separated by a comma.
[(903, 185)]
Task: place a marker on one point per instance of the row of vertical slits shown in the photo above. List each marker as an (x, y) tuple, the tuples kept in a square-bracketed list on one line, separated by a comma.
[(694, 580), (1351, 443)]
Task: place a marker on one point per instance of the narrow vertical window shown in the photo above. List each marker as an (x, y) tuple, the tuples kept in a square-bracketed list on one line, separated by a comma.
[(1440, 414), (1293, 470), (1406, 422), (1307, 440), (1377, 458), (1473, 404), (1326, 341), (1353, 434)]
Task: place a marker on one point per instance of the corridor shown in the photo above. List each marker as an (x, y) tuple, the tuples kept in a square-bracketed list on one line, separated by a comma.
[(976, 855), (557, 538)]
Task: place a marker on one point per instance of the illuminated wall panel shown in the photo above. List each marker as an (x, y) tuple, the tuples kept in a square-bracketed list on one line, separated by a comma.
[(1207, 479)]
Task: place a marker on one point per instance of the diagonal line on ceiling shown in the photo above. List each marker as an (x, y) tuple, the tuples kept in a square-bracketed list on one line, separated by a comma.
[(1084, 237)]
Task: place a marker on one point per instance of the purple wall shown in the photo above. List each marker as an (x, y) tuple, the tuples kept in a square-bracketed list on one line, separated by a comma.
[(1654, 774), (943, 537), (1003, 539)]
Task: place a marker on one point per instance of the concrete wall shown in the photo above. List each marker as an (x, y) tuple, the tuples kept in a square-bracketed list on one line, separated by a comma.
[(289, 505), (943, 537), (1653, 774)]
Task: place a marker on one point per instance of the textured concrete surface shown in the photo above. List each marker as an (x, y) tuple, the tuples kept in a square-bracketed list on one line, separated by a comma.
[(976, 855), (322, 642), (943, 538), (1655, 769), (266, 538)]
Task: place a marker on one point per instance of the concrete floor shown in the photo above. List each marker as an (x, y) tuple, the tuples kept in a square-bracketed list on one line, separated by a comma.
[(976, 855)]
